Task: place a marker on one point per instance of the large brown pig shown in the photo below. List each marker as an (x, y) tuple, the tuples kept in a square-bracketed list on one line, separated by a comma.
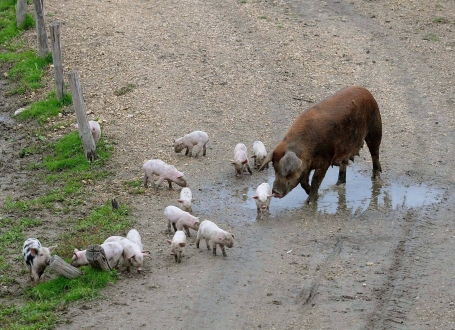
[(329, 133)]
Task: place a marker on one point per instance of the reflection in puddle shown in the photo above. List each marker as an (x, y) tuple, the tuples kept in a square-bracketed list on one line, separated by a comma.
[(357, 195)]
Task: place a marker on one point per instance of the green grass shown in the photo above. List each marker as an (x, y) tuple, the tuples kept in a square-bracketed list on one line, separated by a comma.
[(8, 29), (102, 222), (43, 109), (68, 154), (27, 69), (46, 300), (135, 187)]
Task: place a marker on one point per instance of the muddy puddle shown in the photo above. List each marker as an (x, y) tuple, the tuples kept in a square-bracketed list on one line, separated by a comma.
[(358, 194)]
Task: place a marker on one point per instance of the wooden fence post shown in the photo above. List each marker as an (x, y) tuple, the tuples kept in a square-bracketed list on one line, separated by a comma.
[(57, 59), (21, 10), (43, 48), (85, 132), (96, 257)]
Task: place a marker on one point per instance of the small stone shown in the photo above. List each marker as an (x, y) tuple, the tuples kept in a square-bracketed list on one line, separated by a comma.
[(18, 111)]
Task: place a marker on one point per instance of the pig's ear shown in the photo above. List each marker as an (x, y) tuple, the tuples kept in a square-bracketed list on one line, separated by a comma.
[(289, 163), (169, 241), (172, 253), (34, 251), (76, 250), (131, 256), (180, 200), (255, 197), (232, 162), (193, 199), (253, 156), (245, 161), (222, 237), (266, 160), (232, 236), (182, 244), (52, 248)]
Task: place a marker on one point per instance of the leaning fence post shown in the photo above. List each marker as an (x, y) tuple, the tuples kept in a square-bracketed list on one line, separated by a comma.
[(21, 10), (57, 59), (81, 115), (43, 48)]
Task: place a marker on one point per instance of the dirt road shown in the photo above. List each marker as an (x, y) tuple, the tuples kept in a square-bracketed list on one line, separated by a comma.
[(367, 255)]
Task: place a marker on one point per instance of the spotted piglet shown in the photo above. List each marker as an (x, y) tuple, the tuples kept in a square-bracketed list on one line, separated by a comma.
[(36, 257)]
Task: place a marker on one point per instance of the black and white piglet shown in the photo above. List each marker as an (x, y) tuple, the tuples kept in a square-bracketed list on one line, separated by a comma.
[(36, 257)]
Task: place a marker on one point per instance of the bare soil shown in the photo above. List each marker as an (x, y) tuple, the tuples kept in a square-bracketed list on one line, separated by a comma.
[(242, 71)]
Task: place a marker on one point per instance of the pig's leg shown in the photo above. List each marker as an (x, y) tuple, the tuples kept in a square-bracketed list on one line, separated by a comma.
[(170, 184), (174, 226), (223, 249), (186, 152), (34, 275), (304, 182), (145, 180), (187, 230), (176, 258), (342, 173), (198, 239), (169, 226), (190, 151), (127, 262), (316, 182), (160, 181), (198, 150), (214, 248), (249, 168), (207, 243), (204, 149)]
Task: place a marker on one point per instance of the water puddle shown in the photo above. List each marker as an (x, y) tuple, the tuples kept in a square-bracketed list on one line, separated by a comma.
[(6, 120), (356, 195)]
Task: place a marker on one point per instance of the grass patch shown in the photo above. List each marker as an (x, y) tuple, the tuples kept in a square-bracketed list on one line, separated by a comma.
[(102, 222), (135, 187), (68, 154), (124, 90), (43, 109), (27, 69), (46, 300), (8, 29)]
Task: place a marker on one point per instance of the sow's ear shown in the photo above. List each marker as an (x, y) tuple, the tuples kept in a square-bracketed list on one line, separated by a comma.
[(266, 160), (289, 163)]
